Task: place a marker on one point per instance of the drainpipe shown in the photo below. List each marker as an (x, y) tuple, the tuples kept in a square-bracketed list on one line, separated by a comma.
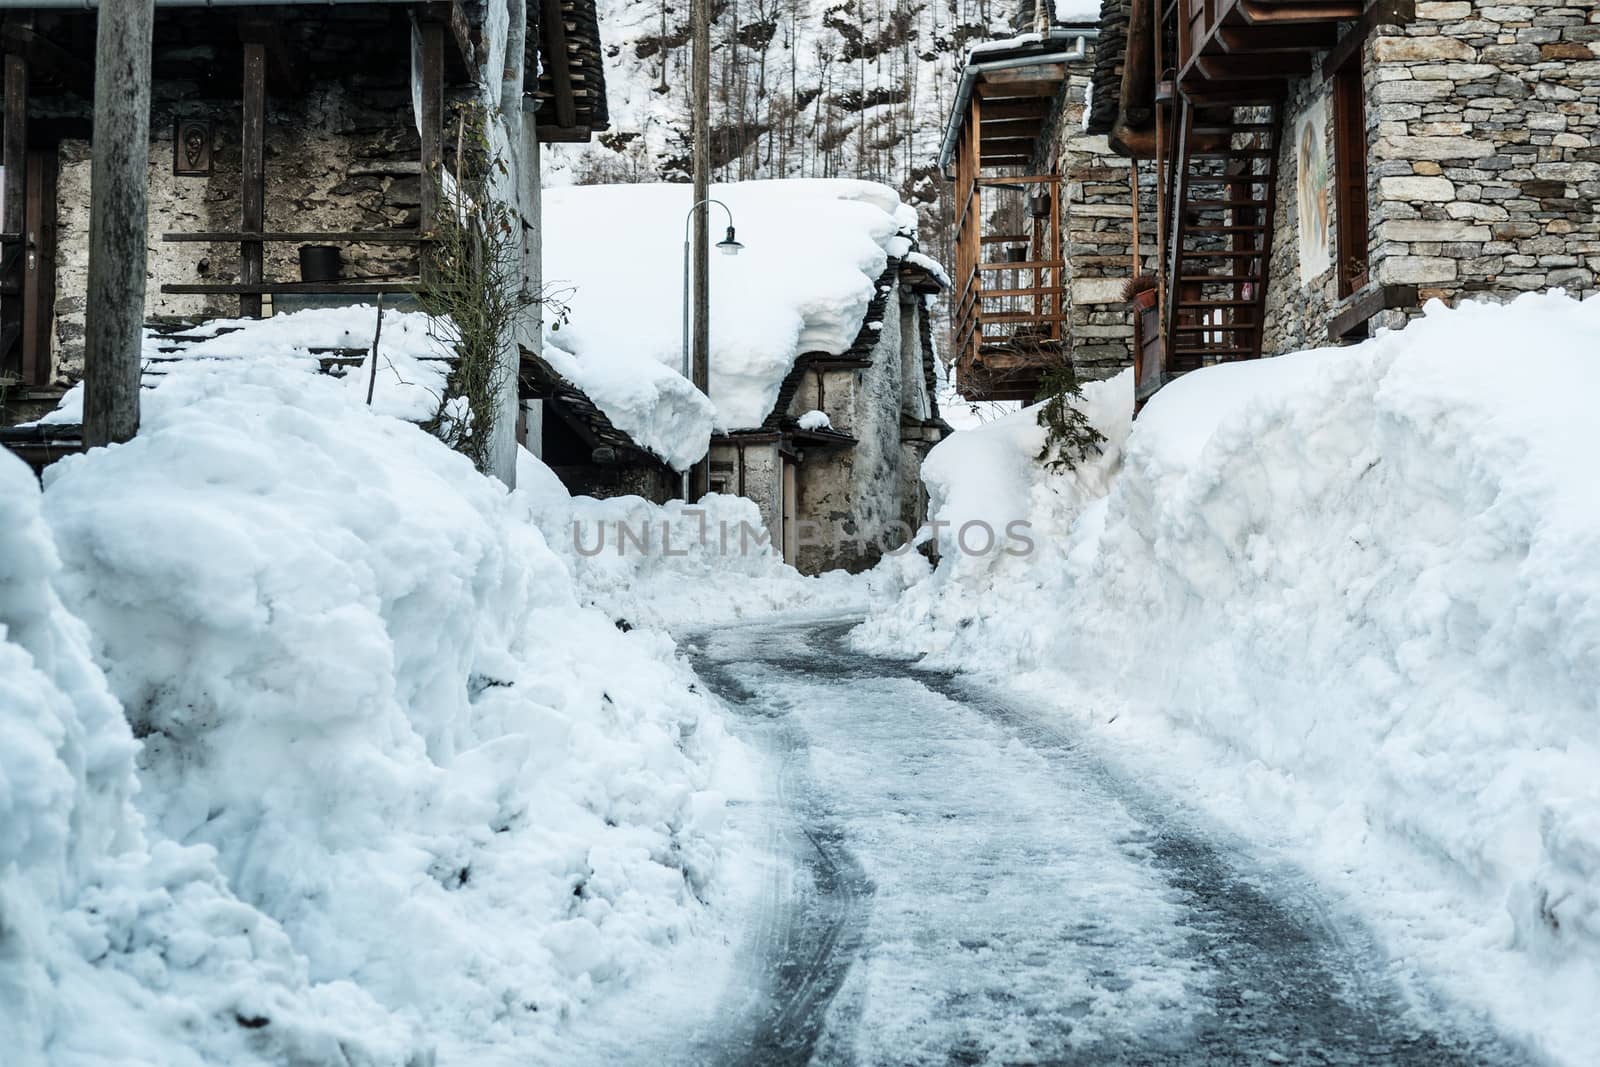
[(969, 78)]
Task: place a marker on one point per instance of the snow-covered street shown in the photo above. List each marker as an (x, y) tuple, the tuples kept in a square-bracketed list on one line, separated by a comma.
[(956, 879)]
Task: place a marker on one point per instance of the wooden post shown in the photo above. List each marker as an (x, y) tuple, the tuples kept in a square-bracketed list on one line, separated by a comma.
[(14, 192), (700, 19), (431, 132), (118, 218), (253, 174)]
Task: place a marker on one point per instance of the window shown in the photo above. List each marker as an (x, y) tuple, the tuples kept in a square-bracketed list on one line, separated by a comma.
[(1350, 175)]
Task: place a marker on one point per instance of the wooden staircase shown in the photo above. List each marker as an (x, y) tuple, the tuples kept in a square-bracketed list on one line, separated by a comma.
[(1223, 194)]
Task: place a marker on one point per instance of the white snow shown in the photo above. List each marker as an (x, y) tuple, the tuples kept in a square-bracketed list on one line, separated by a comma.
[(1348, 600), (412, 358), (122, 947), (402, 793), (813, 253), (1077, 12), (682, 567), (815, 420)]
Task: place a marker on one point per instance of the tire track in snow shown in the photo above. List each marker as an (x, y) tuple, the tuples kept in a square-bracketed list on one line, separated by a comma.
[(1284, 980)]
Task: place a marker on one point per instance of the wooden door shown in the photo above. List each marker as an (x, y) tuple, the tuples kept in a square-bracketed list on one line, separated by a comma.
[(39, 267)]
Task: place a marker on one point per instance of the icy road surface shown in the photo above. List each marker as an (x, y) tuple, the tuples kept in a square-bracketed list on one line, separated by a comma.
[(957, 881)]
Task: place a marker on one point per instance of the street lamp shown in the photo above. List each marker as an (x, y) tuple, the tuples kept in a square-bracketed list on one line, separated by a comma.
[(728, 246)]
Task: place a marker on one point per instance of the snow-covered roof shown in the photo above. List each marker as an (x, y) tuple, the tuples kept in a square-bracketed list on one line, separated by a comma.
[(814, 250)]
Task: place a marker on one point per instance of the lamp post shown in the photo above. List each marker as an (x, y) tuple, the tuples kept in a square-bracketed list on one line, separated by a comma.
[(728, 246)]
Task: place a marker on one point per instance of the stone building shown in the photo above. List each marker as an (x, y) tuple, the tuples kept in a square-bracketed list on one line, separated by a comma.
[(297, 152), (1312, 171), (1044, 212), (834, 468), (1298, 175)]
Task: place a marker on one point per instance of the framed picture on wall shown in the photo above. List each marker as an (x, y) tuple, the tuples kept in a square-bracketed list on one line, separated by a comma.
[(191, 148), (1313, 191)]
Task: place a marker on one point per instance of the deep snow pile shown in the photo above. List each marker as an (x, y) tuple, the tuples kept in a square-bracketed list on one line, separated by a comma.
[(122, 949), (680, 566), (1350, 595), (362, 678), (813, 253)]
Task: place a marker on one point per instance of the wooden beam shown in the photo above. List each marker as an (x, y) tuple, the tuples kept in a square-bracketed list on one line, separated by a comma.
[(1055, 73), (1275, 67), (374, 237), (554, 29), (1017, 89), (1257, 13), (1001, 110), (119, 176), (1246, 40), (431, 123), (253, 174), (1362, 306)]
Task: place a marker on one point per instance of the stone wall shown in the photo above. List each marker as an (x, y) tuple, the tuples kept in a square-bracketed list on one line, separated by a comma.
[(854, 493), (341, 156), (1097, 234), (1483, 124), (1486, 158)]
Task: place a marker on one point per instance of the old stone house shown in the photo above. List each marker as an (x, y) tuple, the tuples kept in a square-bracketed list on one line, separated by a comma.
[(1298, 175), (297, 153), (832, 458), (836, 466)]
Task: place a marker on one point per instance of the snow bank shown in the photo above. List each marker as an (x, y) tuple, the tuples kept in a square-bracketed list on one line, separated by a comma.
[(1353, 594), (364, 681), (678, 566), (120, 950), (412, 360), (813, 252)]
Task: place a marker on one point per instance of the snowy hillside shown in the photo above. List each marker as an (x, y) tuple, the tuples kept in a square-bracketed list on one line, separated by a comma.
[(1348, 600), (801, 88)]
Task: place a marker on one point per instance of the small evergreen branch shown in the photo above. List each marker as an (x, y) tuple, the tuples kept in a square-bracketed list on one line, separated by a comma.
[(1070, 437)]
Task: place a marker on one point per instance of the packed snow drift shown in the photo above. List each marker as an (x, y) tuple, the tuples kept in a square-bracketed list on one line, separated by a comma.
[(813, 253), (1348, 597), (396, 794)]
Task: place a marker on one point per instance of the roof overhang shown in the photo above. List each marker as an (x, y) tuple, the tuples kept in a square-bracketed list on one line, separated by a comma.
[(1020, 76)]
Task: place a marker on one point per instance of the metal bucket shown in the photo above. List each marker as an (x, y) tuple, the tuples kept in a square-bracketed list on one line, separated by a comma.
[(320, 263)]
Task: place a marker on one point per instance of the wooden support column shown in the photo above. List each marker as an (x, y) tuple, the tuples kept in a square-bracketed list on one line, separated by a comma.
[(15, 148), (16, 142), (431, 133), (118, 218), (700, 91), (253, 174)]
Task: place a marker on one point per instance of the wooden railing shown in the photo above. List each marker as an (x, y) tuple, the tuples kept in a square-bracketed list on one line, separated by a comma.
[(1010, 288)]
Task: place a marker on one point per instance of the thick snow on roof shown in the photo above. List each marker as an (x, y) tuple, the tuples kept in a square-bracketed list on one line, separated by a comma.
[(813, 250)]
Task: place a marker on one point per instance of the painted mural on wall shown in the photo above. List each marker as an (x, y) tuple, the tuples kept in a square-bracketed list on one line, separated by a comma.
[(1313, 190)]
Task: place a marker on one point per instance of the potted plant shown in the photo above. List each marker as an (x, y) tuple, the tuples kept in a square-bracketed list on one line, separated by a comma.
[(1016, 253), (1140, 291), (1039, 205)]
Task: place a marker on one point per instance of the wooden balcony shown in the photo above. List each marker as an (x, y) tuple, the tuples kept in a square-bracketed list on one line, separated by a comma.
[(1008, 322), (1229, 47)]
